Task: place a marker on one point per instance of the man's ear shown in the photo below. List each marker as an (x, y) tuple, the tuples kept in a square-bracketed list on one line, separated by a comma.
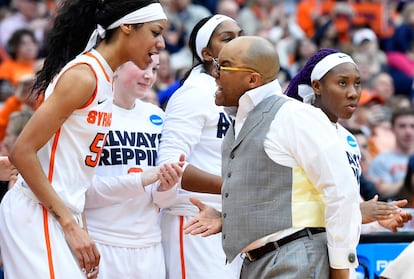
[(255, 80)]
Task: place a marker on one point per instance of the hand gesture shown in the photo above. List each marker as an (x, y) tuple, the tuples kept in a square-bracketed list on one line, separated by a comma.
[(398, 219), (207, 222), (168, 174), (374, 210)]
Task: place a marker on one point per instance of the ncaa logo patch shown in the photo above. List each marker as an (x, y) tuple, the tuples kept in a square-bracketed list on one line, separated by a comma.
[(351, 141), (156, 120)]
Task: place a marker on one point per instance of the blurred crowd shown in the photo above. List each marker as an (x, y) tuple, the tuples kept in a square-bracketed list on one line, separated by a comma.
[(378, 34)]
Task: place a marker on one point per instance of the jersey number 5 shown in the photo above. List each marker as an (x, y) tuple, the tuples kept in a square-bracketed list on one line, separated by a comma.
[(96, 148)]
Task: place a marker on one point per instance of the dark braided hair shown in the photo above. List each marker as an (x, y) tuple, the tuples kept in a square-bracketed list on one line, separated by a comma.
[(73, 25), (304, 75)]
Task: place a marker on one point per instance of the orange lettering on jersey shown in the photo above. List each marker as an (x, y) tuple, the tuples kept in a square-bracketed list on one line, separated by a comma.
[(92, 117), (99, 118), (135, 170)]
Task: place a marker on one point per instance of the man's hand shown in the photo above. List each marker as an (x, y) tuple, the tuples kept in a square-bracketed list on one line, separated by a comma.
[(207, 222)]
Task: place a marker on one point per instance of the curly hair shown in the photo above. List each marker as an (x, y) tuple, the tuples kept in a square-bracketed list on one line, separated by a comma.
[(73, 25)]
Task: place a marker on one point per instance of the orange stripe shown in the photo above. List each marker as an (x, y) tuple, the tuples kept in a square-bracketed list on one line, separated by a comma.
[(95, 92), (96, 77), (45, 214), (53, 155), (48, 246), (100, 64), (182, 260)]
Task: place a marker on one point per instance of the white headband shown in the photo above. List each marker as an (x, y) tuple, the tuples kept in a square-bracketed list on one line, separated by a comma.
[(205, 32), (329, 62), (319, 71), (149, 13)]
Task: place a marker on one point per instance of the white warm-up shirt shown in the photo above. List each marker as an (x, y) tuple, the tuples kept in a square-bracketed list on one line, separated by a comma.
[(194, 126), (119, 211)]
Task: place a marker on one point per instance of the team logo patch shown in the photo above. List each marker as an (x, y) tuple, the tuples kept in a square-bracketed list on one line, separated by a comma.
[(156, 120), (351, 141)]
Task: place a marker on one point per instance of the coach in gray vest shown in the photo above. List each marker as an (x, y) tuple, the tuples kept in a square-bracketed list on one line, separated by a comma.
[(290, 200)]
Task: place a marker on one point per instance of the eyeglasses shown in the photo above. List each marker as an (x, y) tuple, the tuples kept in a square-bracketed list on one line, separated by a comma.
[(219, 68)]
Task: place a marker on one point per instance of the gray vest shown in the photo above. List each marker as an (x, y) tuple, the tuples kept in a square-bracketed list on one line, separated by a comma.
[(256, 191)]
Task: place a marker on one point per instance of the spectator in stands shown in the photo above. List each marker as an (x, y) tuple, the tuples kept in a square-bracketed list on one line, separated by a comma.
[(182, 16), (31, 14), (388, 169), (407, 190), (326, 36), (302, 50), (21, 100), (311, 14), (17, 121), (165, 76), (400, 52), (23, 50), (365, 41), (229, 8)]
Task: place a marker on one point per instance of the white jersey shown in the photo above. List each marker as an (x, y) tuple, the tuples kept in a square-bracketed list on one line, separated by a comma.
[(68, 159), (131, 147), (194, 126), (351, 148)]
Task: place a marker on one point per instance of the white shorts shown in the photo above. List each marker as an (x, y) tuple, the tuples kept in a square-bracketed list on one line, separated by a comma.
[(137, 263), (23, 241), (402, 266), (199, 257)]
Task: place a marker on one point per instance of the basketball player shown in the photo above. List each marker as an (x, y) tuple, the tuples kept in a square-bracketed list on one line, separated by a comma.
[(122, 206), (43, 234), (195, 126)]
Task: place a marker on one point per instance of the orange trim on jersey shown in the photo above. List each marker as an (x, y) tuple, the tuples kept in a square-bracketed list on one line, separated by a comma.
[(48, 246), (100, 64), (56, 79), (182, 260), (53, 156), (95, 92)]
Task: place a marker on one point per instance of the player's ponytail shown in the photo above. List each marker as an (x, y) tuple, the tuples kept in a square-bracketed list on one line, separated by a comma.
[(72, 28)]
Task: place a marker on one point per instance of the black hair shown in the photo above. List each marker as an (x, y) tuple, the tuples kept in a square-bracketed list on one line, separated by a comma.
[(16, 39), (73, 25), (192, 45), (304, 75)]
